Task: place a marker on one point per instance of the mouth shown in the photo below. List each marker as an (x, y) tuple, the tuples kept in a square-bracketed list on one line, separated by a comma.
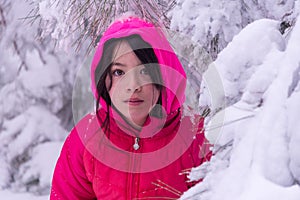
[(134, 101)]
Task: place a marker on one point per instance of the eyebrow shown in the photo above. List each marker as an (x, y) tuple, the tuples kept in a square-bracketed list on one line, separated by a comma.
[(118, 64)]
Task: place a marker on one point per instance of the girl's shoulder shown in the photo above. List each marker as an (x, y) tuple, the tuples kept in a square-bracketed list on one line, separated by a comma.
[(85, 128)]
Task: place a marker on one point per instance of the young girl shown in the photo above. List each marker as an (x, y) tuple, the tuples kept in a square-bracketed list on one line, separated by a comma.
[(138, 144)]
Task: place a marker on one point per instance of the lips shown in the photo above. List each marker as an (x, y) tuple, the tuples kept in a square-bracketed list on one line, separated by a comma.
[(134, 101)]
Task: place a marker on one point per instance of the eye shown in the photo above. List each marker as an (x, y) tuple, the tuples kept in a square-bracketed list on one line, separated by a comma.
[(144, 71), (117, 72)]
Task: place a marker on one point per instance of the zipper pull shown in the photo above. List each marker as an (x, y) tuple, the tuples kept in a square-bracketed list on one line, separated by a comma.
[(136, 145)]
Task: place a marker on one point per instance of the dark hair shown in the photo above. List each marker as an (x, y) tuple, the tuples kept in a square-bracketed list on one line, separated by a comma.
[(145, 54)]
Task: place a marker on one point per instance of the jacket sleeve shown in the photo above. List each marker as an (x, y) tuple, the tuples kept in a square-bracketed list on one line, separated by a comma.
[(69, 179)]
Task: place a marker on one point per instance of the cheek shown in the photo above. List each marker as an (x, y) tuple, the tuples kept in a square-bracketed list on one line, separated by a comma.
[(110, 88), (107, 83), (114, 92), (155, 93)]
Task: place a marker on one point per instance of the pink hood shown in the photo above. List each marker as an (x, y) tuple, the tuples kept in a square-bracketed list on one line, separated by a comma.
[(173, 75)]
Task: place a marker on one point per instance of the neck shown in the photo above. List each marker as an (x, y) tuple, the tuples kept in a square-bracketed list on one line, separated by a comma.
[(136, 125)]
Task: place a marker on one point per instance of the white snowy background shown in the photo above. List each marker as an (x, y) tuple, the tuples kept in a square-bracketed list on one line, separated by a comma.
[(254, 123)]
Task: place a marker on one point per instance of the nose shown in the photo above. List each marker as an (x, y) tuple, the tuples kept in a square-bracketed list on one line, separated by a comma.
[(133, 83)]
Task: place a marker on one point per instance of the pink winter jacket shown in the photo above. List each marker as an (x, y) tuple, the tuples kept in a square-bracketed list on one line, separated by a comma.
[(103, 164)]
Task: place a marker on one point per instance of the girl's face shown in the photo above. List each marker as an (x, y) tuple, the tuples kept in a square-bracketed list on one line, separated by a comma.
[(132, 91)]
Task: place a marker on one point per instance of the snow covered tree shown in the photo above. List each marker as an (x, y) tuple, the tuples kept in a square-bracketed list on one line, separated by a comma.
[(213, 23), (35, 100), (255, 136), (73, 22)]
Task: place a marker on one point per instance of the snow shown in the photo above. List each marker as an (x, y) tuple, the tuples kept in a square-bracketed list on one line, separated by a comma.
[(35, 95), (25, 138), (267, 190), (214, 23), (244, 56), (260, 128), (252, 87), (10, 195), (293, 130), (41, 166), (48, 11)]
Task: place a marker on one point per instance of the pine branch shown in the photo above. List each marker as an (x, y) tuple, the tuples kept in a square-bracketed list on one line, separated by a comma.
[(3, 21), (88, 19), (23, 64)]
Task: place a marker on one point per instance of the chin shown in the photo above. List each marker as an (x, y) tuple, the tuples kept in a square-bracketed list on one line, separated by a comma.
[(135, 119)]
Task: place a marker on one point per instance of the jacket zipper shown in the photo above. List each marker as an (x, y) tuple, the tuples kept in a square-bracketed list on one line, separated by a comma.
[(136, 145), (132, 177)]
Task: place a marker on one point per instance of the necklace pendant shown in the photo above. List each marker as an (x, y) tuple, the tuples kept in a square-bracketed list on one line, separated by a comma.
[(136, 145)]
